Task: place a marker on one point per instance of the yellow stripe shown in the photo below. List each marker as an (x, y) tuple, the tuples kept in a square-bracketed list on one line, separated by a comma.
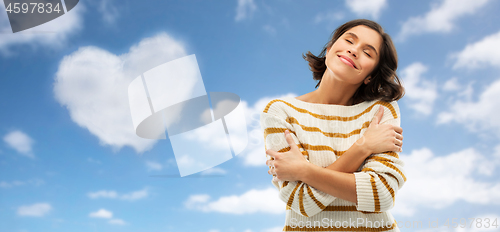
[(375, 194), (380, 159), (333, 228), (293, 120), (387, 186), (345, 208), (290, 200), (391, 153), (336, 118), (387, 173), (318, 203), (322, 148), (285, 183), (275, 130), (393, 167), (301, 201)]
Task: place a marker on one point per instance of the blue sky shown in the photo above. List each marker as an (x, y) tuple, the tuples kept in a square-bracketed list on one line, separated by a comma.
[(68, 163)]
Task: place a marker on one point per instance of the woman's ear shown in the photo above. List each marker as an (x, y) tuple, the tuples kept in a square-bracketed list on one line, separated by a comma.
[(367, 80)]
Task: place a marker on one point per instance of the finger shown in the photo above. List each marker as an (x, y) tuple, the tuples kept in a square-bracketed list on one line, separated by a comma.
[(398, 142), (270, 153), (399, 136), (289, 140), (378, 116), (397, 148), (398, 129)]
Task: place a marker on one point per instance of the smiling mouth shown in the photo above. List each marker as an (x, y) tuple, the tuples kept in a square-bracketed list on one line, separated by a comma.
[(347, 61)]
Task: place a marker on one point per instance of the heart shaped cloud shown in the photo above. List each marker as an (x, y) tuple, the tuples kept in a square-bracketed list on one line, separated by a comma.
[(92, 84)]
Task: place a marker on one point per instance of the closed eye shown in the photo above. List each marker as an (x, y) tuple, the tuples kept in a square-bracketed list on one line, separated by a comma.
[(368, 54), (348, 41)]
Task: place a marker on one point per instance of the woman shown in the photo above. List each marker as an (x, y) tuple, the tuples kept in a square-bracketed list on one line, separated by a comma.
[(333, 152)]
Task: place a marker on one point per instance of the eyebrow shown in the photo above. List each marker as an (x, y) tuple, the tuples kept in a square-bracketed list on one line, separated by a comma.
[(356, 37)]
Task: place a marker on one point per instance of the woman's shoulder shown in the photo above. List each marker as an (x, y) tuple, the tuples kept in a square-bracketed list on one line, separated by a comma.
[(278, 106), (391, 109)]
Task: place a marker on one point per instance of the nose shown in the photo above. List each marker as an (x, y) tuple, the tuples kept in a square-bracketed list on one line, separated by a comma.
[(352, 52)]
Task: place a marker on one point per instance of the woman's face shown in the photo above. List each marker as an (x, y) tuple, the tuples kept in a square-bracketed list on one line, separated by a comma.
[(354, 55)]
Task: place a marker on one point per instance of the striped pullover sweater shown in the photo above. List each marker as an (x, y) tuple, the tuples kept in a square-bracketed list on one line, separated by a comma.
[(323, 132)]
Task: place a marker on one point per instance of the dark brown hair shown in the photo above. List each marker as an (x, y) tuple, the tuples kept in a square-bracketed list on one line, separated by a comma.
[(384, 84)]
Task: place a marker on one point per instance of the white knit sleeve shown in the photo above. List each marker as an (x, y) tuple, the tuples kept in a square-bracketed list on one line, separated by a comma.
[(382, 175), (299, 196)]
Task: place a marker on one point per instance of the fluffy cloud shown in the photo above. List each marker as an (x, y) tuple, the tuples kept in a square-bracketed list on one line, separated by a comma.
[(106, 214), (467, 111), (245, 9), (420, 93), (441, 17), (253, 201), (101, 213), (93, 85), (439, 181), (52, 34), (20, 142), (132, 196), (370, 8), (108, 10), (473, 55), (35, 210)]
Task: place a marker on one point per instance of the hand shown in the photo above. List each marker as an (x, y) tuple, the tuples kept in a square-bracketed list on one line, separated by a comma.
[(381, 138), (287, 166)]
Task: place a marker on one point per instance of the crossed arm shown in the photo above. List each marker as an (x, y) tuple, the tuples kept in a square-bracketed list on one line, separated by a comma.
[(380, 173)]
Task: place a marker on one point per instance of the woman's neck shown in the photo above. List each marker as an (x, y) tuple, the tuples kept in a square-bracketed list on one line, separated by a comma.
[(333, 91)]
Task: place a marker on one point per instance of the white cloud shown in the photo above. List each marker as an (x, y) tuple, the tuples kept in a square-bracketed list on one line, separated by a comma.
[(53, 34), (253, 201), (451, 85), (20, 142), (132, 196), (35, 182), (370, 8), (108, 10), (153, 166), (245, 9), (136, 195), (35, 210), (419, 92), (93, 85), (474, 55), (441, 18), (439, 181), (477, 116), (117, 221), (101, 213), (106, 214), (103, 194)]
